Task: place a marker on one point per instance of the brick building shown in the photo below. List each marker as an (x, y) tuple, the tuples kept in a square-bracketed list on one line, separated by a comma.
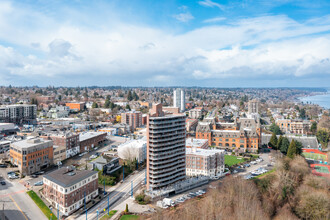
[(66, 140), (45, 99), (132, 118), (89, 140), (67, 188), (32, 155), (243, 134), (78, 106)]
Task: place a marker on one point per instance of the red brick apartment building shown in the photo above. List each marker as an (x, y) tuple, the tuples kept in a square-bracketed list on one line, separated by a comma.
[(132, 118), (67, 188), (243, 134)]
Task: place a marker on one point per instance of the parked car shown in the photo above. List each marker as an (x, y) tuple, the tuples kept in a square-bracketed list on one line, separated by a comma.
[(34, 175), (12, 177), (40, 183), (235, 171), (3, 182), (247, 165), (3, 165)]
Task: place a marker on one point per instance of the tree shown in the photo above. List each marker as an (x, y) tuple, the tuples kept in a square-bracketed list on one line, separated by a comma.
[(322, 136), (273, 142), (279, 142), (129, 96), (107, 103), (302, 113), (135, 96), (126, 209), (95, 105), (299, 147), (128, 107), (314, 127), (284, 145), (275, 129), (292, 151)]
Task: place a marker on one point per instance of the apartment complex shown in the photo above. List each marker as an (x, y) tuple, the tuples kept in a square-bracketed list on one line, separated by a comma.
[(204, 162), (18, 114), (196, 113), (67, 144), (89, 140), (32, 155), (290, 126), (78, 106), (67, 188), (179, 99), (165, 148), (132, 118), (243, 134)]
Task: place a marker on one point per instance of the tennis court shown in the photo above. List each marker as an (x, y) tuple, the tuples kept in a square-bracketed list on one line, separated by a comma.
[(314, 156), (322, 169)]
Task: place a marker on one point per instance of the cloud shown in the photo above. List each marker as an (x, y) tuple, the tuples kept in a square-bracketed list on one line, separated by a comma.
[(211, 4), (126, 53), (59, 48), (184, 17), (214, 20)]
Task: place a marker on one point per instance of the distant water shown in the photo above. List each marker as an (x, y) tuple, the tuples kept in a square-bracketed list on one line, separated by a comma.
[(322, 100)]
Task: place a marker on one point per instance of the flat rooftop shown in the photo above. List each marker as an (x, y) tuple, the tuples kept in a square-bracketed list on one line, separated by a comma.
[(30, 143), (88, 135), (203, 152), (66, 177)]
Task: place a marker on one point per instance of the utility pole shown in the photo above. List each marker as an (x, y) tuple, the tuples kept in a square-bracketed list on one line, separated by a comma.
[(123, 173), (132, 189)]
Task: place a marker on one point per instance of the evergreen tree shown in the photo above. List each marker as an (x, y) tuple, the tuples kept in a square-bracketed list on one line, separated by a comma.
[(275, 129), (273, 142), (292, 151), (128, 107), (95, 105), (107, 103), (279, 142), (129, 96), (314, 127), (284, 145)]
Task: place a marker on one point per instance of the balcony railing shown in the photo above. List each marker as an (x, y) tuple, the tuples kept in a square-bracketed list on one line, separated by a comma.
[(169, 164), (179, 170), (162, 160)]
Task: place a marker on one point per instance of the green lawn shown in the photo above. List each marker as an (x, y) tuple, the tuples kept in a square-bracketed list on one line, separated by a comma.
[(314, 156), (264, 174), (111, 213), (231, 160), (129, 217), (42, 206)]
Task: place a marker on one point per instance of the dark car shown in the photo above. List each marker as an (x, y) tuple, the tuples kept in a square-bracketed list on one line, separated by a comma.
[(3, 165), (3, 183)]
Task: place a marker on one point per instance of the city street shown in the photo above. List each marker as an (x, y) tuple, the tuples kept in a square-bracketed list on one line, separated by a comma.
[(16, 202), (117, 195)]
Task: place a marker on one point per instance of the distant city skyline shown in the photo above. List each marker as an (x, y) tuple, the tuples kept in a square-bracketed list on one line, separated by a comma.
[(206, 43)]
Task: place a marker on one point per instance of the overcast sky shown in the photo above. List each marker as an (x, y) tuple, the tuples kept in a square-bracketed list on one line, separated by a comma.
[(250, 43)]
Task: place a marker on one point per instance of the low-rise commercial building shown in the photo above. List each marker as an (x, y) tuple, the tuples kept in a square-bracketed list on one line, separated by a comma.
[(67, 188), (32, 155), (196, 113), (68, 140), (78, 106), (89, 140), (204, 162)]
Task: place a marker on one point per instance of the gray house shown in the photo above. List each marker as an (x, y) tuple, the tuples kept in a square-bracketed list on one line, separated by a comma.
[(107, 164)]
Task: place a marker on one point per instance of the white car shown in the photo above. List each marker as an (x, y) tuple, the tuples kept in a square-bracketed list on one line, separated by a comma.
[(12, 177)]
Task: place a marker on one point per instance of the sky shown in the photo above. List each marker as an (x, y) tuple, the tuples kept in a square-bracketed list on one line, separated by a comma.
[(207, 43)]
